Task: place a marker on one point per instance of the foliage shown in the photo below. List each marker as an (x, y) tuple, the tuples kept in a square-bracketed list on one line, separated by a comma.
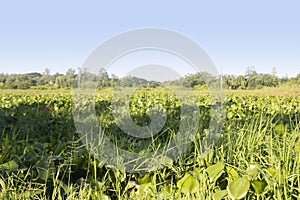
[(258, 156), (251, 80)]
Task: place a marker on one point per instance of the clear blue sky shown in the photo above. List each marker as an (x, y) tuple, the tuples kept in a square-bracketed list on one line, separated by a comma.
[(35, 35)]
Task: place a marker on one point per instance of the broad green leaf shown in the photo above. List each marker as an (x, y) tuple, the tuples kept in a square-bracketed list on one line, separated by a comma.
[(279, 128), (252, 171), (146, 190), (199, 176), (215, 171), (165, 193), (147, 178), (104, 197), (45, 168), (238, 189), (188, 184), (220, 195), (11, 165), (272, 171), (258, 186), (232, 172)]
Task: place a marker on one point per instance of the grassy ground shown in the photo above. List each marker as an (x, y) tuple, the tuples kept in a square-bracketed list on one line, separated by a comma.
[(257, 156), (279, 91)]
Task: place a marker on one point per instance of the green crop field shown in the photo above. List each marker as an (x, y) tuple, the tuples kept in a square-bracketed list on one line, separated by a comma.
[(256, 157)]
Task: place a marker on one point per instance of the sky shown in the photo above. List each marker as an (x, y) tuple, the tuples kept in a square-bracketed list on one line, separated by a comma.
[(59, 35)]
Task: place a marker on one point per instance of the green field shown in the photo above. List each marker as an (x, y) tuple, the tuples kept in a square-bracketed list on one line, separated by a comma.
[(257, 156)]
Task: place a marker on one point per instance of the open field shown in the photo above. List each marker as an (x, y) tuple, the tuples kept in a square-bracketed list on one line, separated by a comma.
[(278, 91), (281, 91), (257, 156)]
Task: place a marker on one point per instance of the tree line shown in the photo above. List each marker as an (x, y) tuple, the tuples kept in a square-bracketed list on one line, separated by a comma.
[(251, 80)]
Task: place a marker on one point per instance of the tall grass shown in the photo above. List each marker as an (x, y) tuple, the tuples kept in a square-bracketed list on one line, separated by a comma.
[(262, 147)]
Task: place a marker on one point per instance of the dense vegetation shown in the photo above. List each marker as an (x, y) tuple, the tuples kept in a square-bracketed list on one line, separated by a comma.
[(251, 80), (42, 157)]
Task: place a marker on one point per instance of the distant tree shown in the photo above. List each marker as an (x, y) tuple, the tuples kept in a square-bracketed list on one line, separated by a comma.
[(251, 80), (2, 80), (274, 71), (61, 81), (70, 73), (70, 78), (262, 80), (131, 81), (250, 71), (242, 82), (46, 78), (114, 80), (298, 79), (11, 82), (46, 73), (283, 80), (103, 78)]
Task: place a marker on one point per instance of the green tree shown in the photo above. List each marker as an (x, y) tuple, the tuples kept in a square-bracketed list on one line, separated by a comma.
[(298, 79), (61, 81), (274, 71), (70, 78), (103, 78)]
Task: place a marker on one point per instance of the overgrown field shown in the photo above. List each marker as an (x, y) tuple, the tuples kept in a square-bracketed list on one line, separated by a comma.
[(257, 156)]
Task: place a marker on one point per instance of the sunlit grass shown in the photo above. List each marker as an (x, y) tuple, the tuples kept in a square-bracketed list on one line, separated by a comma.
[(42, 157)]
